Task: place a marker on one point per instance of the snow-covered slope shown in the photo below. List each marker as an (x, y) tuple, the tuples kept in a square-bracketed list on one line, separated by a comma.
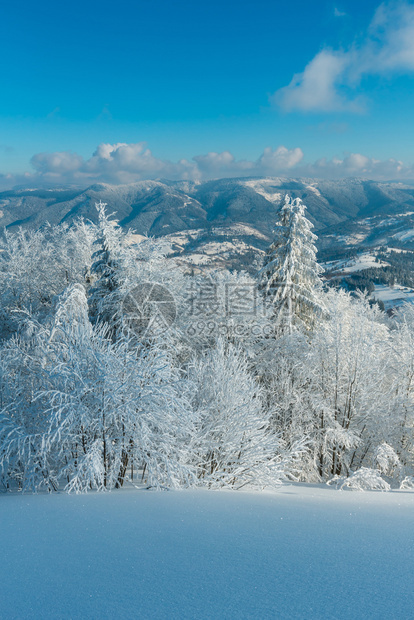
[(365, 260), (394, 230), (393, 296), (155, 207), (346, 213), (302, 552)]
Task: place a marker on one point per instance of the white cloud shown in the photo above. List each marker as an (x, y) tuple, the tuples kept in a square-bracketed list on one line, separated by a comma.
[(316, 89), (222, 164), (391, 39), (358, 165), (56, 163), (279, 159), (128, 163), (339, 13), (329, 81), (111, 163)]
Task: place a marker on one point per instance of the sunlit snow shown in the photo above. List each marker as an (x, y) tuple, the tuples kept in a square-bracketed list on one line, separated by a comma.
[(300, 552)]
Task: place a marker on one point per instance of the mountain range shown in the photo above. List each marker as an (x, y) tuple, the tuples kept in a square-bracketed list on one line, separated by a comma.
[(237, 212)]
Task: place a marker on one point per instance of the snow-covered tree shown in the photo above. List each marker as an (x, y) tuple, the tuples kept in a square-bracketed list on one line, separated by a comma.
[(123, 365), (402, 369), (279, 367), (290, 277), (386, 460), (348, 387), (221, 303), (234, 439), (135, 288), (81, 409), (365, 479), (111, 264), (35, 266)]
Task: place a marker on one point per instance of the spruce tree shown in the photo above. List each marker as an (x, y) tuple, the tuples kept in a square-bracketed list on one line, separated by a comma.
[(108, 270), (290, 277)]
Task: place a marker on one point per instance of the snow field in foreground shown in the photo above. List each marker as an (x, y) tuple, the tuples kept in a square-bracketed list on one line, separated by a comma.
[(301, 552)]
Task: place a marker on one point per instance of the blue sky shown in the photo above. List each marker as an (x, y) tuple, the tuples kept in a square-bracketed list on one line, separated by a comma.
[(122, 91)]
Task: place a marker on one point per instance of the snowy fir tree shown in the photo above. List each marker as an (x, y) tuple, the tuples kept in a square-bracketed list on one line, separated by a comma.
[(130, 281), (107, 270), (290, 277)]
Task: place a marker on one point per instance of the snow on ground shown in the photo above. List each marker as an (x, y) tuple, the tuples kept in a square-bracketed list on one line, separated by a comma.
[(354, 239), (314, 189), (301, 552), (404, 235), (197, 259), (393, 296), (240, 229), (136, 238), (398, 251), (350, 265), (214, 248), (259, 186)]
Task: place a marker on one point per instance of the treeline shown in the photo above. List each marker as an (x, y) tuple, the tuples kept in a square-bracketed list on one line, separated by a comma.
[(399, 270), (117, 367)]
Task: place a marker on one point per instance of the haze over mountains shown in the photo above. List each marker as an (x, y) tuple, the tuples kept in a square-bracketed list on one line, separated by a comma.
[(239, 213)]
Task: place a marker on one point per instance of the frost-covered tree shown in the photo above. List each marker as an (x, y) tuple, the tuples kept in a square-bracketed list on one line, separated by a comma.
[(279, 367), (347, 389), (365, 479), (134, 285), (290, 277), (386, 460), (221, 303), (234, 439), (347, 385), (35, 266), (91, 396), (402, 369), (111, 265), (82, 410)]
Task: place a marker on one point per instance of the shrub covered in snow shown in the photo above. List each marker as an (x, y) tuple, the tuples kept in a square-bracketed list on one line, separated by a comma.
[(407, 483), (365, 479), (386, 460)]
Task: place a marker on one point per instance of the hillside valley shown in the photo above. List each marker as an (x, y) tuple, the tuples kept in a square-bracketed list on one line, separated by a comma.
[(229, 222)]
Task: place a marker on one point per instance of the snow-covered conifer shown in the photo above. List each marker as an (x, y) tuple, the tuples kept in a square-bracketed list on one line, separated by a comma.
[(135, 288), (290, 277), (109, 264)]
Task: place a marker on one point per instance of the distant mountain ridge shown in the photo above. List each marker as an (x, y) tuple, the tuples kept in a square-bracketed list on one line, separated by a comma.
[(345, 212)]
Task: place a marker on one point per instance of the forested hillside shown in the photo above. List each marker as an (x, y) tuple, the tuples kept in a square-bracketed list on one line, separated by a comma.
[(118, 366), (227, 223)]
